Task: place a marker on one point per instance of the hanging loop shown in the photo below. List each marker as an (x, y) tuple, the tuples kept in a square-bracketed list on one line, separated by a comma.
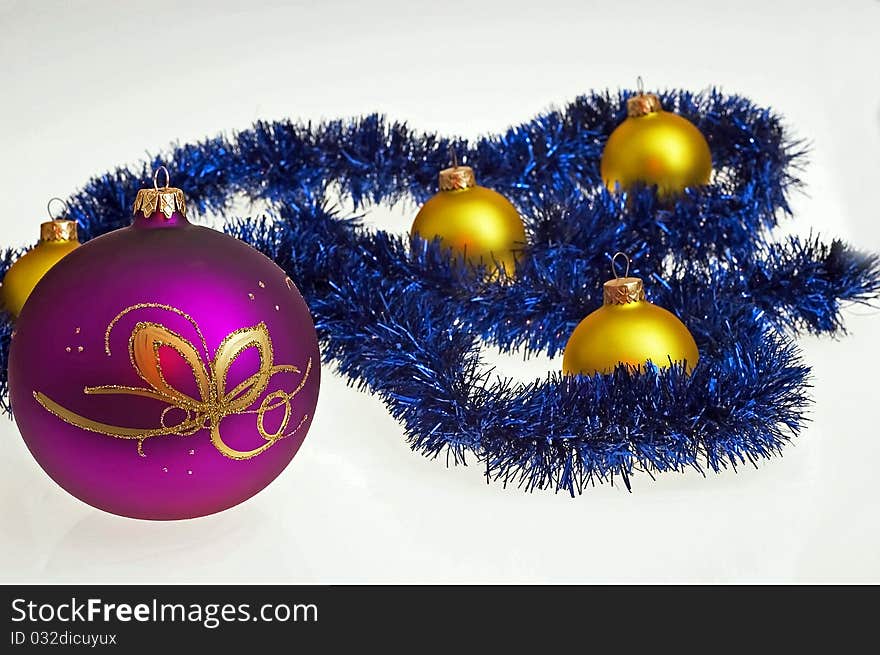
[(614, 264), (156, 178), (63, 204), (453, 155)]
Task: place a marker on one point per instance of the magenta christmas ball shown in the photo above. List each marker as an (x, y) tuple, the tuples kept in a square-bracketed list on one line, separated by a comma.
[(164, 370)]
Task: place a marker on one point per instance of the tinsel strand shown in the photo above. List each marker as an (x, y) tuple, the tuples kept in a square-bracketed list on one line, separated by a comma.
[(403, 321)]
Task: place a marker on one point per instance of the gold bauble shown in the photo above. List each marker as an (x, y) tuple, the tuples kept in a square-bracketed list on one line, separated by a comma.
[(656, 148), (473, 221), (629, 330), (57, 239)]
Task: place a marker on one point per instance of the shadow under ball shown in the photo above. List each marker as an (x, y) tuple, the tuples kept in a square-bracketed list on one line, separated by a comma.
[(656, 148), (473, 221)]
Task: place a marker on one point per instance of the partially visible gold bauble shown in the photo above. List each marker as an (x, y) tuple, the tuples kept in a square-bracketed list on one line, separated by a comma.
[(473, 221), (655, 147), (57, 239), (629, 330)]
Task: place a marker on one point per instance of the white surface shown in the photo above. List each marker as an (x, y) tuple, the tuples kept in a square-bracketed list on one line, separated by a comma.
[(88, 86)]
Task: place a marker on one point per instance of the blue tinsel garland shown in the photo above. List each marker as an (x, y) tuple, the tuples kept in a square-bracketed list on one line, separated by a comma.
[(404, 322)]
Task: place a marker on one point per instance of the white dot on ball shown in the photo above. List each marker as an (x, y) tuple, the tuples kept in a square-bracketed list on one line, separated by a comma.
[(277, 308), (251, 296), (189, 472), (165, 469), (192, 452), (262, 284)]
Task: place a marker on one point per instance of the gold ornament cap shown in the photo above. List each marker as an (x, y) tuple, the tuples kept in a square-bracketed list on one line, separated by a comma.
[(165, 199), (622, 290), (642, 105), (60, 228), (457, 177)]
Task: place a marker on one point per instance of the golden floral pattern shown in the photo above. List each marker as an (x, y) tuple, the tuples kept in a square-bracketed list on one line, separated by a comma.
[(214, 400)]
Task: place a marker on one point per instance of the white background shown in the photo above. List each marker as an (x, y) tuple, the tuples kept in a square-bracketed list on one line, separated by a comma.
[(88, 86)]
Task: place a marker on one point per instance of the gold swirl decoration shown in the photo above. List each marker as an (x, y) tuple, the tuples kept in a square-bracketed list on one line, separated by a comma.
[(214, 402)]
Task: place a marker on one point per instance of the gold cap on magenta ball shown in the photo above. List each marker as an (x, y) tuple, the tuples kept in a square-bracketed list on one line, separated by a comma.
[(166, 199)]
